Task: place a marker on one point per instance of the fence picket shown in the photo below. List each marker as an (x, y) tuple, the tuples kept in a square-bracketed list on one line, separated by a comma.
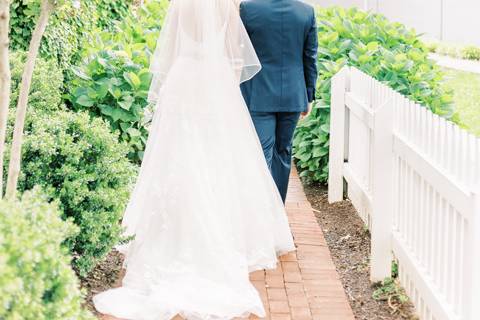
[(337, 136), (416, 181), (382, 183)]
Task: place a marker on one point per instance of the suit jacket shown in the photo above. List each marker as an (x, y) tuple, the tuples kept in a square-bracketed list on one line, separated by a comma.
[(284, 34)]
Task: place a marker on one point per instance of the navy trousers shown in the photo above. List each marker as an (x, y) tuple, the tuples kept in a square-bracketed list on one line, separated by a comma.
[(275, 130)]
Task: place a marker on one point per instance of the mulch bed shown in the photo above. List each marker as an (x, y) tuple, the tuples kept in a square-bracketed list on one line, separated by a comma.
[(349, 243), (105, 276)]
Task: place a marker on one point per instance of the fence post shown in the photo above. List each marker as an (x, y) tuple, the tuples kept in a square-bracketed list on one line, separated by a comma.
[(472, 277), (382, 191), (340, 84)]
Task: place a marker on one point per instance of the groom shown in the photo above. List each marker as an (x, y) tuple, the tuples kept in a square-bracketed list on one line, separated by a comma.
[(284, 35)]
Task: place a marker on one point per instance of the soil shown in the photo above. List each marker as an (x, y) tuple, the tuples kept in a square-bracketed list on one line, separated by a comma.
[(349, 243), (105, 276)]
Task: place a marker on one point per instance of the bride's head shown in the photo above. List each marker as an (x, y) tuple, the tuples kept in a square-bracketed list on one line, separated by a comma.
[(203, 19)]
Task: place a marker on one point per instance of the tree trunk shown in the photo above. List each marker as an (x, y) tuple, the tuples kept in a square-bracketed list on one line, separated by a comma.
[(16, 154), (5, 80)]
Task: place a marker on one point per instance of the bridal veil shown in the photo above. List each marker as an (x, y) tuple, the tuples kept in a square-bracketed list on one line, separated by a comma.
[(214, 27)]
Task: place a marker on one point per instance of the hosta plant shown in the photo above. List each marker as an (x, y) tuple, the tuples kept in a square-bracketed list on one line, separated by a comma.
[(113, 79), (111, 86), (388, 52)]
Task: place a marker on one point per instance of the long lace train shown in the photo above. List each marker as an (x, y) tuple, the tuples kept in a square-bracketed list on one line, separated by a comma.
[(205, 210)]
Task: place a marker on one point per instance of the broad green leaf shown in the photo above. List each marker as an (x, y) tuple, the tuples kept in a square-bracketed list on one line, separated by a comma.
[(132, 79), (85, 101)]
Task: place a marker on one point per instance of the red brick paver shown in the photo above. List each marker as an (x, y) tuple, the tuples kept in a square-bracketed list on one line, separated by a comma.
[(305, 285)]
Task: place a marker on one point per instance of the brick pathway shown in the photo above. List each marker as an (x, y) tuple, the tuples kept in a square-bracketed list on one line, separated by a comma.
[(305, 286)]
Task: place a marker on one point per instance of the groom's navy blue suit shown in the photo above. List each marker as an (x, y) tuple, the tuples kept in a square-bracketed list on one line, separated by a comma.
[(284, 35)]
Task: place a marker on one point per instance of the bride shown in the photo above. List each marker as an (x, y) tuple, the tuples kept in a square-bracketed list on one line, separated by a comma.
[(205, 211)]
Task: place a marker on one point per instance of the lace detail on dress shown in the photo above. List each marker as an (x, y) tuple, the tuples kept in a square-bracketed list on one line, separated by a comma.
[(205, 210)]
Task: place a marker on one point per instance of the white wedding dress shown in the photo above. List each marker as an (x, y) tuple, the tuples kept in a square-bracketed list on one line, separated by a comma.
[(205, 211)]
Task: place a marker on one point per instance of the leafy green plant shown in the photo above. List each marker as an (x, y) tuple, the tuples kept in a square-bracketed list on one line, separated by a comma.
[(80, 163), (394, 269), (387, 51), (113, 80), (36, 281), (389, 289), (471, 53), (47, 82), (432, 46), (450, 50), (455, 51), (112, 87), (69, 29), (111, 11), (22, 14)]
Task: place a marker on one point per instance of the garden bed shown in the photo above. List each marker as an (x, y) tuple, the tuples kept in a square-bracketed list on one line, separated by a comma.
[(105, 276), (349, 244)]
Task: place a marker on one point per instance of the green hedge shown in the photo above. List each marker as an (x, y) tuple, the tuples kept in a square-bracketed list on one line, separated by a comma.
[(112, 81), (387, 51), (36, 280), (80, 163), (47, 83), (471, 53), (455, 51), (69, 28), (111, 11)]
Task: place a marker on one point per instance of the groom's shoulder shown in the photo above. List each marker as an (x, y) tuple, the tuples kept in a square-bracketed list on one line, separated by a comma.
[(255, 5), (307, 8), (250, 3)]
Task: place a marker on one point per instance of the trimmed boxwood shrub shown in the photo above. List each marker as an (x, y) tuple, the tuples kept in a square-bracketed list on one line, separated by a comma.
[(387, 51), (79, 162), (36, 280), (47, 83), (113, 79)]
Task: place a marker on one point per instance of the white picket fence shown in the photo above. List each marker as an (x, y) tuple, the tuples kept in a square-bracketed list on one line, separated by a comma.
[(414, 179)]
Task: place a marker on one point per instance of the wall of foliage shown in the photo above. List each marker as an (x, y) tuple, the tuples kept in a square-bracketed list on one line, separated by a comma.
[(387, 51), (69, 28)]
